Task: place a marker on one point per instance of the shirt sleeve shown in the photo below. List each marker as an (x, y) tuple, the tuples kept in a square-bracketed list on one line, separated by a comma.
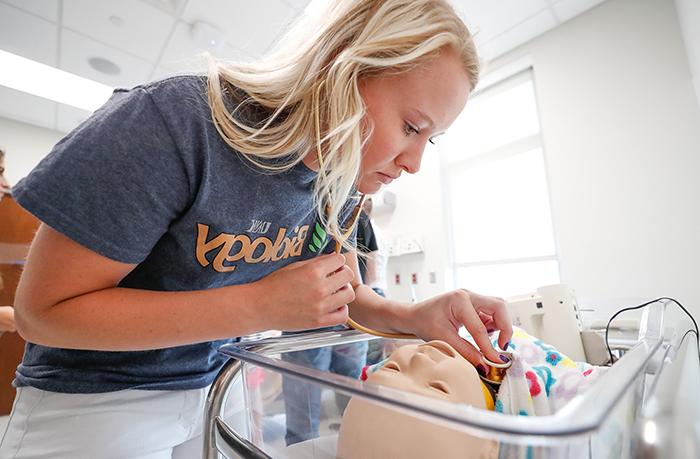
[(115, 183)]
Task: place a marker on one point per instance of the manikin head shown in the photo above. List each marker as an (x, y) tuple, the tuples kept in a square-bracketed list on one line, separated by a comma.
[(434, 370)]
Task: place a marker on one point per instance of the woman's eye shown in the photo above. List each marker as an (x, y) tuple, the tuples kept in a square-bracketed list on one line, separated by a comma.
[(392, 366), (432, 140), (409, 129)]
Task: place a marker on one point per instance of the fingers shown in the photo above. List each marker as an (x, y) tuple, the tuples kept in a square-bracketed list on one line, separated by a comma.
[(494, 314), (468, 351), (499, 314), (314, 291), (342, 296), (503, 323), (330, 272), (488, 322), (328, 264), (325, 264), (339, 279), (471, 320), (337, 317)]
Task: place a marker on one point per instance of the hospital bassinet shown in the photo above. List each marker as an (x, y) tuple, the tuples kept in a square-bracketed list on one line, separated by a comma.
[(646, 405)]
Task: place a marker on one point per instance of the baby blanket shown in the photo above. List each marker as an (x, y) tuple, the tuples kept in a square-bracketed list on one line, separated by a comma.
[(541, 380)]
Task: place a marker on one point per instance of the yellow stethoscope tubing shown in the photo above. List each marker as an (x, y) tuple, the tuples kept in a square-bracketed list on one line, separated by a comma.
[(488, 397), (353, 221), (338, 245)]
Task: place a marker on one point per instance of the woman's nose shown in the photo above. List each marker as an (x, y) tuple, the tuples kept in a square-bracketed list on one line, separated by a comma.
[(411, 158)]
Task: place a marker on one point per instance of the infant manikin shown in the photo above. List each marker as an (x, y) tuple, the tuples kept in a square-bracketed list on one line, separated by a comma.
[(432, 369)]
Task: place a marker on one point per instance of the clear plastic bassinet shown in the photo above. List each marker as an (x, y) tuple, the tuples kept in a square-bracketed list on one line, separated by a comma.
[(630, 411)]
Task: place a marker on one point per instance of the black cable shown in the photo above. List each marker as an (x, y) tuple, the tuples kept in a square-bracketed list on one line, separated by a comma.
[(607, 327), (687, 332), (690, 330)]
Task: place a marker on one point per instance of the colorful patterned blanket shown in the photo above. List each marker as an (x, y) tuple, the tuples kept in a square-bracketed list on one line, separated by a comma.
[(541, 379)]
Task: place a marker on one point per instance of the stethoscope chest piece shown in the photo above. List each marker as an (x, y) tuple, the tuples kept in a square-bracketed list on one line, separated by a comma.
[(496, 371)]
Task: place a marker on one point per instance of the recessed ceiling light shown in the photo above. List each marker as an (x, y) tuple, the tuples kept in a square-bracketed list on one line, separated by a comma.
[(51, 83), (105, 66)]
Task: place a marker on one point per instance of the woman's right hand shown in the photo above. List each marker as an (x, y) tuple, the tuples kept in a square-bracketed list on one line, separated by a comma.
[(307, 294)]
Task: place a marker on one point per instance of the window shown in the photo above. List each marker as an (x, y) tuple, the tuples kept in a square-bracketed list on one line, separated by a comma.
[(501, 237)]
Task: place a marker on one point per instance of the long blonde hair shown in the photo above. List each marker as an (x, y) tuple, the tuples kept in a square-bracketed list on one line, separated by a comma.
[(308, 87)]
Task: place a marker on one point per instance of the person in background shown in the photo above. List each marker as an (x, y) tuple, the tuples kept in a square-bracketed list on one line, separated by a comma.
[(7, 319), (372, 249), (303, 400), (372, 258), (4, 184), (7, 313), (7, 316)]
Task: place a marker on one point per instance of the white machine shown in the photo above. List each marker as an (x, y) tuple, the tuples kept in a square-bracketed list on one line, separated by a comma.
[(552, 315)]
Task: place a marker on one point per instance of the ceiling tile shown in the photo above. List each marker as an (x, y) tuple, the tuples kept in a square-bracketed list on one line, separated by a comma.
[(489, 19), (298, 5), (68, 118), (518, 35), (76, 50), (129, 25), (172, 7), (27, 35), (183, 55), (567, 9), (162, 72), (47, 9), (249, 26), (24, 107)]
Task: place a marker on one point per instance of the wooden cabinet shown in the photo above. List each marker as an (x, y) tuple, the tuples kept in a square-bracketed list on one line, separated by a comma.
[(17, 228)]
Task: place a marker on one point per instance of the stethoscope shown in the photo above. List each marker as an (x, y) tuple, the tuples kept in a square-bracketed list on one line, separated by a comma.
[(496, 370)]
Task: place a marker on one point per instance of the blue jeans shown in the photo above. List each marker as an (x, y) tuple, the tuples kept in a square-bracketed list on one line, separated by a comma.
[(302, 400)]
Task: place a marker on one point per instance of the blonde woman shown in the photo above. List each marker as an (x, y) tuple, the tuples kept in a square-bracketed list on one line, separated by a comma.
[(193, 210)]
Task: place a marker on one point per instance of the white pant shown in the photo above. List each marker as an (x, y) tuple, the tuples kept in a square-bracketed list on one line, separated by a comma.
[(125, 424)]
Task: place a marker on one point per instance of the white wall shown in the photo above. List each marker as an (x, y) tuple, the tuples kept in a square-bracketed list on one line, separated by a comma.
[(419, 212), (25, 145), (689, 18), (621, 132)]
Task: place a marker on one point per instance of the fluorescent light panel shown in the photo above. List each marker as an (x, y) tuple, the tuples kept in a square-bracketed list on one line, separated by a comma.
[(51, 83)]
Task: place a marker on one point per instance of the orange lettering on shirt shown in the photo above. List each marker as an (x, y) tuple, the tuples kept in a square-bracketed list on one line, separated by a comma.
[(231, 248)]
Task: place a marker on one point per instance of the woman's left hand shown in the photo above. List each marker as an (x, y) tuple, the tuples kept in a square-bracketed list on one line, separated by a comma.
[(441, 317)]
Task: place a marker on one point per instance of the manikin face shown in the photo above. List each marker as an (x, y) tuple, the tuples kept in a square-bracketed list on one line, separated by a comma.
[(406, 111), (435, 370)]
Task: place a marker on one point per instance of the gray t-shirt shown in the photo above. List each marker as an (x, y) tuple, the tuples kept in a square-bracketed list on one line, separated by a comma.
[(149, 180)]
